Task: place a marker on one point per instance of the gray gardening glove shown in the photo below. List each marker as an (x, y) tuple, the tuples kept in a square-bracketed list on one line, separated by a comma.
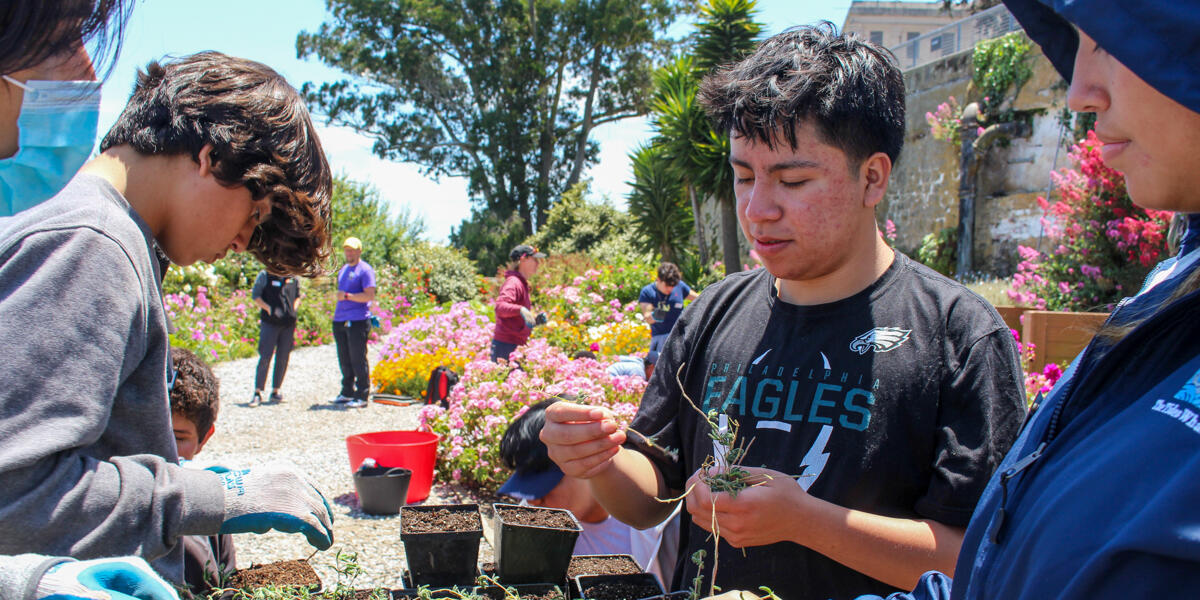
[(125, 578), (276, 496)]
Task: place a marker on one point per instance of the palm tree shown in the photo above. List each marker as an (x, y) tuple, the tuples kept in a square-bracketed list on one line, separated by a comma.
[(681, 124), (726, 33), (656, 203)]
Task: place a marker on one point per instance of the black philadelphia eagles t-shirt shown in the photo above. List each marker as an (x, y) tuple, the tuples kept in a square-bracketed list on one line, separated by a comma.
[(899, 400)]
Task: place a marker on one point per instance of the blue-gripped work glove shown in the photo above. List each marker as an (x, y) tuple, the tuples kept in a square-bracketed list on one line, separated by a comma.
[(276, 496), (126, 578)]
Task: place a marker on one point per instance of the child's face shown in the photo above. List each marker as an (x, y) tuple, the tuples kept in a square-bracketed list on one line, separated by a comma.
[(187, 439)]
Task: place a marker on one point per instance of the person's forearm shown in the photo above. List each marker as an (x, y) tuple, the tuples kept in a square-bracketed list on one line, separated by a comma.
[(647, 310), (893, 550), (630, 490), (259, 302)]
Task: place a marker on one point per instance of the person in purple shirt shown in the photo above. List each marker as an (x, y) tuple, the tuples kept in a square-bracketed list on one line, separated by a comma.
[(352, 324)]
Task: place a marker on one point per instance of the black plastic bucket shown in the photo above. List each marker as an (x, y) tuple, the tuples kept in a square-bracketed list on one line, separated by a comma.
[(382, 490)]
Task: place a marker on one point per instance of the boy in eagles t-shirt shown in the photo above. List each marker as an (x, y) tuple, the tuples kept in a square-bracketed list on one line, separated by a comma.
[(874, 396)]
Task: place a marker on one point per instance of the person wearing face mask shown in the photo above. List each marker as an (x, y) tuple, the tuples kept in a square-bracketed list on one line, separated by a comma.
[(49, 96)]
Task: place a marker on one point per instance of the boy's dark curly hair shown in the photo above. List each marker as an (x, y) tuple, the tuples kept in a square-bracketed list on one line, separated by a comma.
[(850, 89), (262, 138), (196, 393)]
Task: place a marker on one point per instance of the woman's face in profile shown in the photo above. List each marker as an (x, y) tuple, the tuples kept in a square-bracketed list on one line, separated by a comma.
[(1149, 137)]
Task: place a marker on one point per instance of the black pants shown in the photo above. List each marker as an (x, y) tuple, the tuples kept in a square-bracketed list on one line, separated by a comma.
[(276, 340), (351, 339)]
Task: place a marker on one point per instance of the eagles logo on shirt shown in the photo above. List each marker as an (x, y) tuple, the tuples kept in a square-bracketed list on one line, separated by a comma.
[(880, 339)]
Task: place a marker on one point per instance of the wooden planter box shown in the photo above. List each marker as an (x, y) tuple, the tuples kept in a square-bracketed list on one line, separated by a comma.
[(1058, 336), (1012, 316)]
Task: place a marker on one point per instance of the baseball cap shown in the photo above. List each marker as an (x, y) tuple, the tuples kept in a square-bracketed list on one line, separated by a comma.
[(531, 485), (524, 250), (352, 242)]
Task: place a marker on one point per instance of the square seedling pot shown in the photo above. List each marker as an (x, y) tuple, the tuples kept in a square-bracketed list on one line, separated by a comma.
[(614, 564), (442, 558), (533, 553), (543, 591), (633, 586), (672, 596)]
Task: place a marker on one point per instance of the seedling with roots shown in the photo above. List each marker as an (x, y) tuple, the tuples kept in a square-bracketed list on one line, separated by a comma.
[(721, 471)]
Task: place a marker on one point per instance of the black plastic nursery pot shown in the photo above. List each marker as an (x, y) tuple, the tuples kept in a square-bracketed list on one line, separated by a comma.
[(382, 490), (442, 558), (530, 553), (435, 594), (543, 591), (630, 586), (618, 563)]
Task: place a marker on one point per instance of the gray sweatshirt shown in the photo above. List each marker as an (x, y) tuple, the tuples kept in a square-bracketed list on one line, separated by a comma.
[(87, 455)]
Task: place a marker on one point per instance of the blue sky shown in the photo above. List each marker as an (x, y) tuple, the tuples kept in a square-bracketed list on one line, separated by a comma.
[(265, 30)]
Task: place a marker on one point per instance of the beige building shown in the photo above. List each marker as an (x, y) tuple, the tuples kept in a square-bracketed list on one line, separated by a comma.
[(891, 24)]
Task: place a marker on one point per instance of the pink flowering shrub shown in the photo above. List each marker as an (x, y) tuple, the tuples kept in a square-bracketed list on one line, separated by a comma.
[(213, 326), (1035, 382), (490, 395), (1101, 244), (945, 123), (587, 304)]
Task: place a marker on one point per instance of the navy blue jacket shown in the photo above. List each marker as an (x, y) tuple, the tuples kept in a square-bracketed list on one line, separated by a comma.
[(1100, 496)]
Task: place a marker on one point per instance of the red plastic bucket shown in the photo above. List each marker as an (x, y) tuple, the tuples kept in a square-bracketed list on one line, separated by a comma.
[(413, 450)]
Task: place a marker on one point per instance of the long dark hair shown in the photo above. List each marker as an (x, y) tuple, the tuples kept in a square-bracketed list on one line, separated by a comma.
[(32, 31)]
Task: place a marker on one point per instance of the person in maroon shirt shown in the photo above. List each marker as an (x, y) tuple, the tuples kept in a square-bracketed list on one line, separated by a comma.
[(514, 311)]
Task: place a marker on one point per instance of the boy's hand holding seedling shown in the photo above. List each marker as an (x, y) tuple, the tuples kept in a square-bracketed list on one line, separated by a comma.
[(582, 440), (755, 515), (277, 496)]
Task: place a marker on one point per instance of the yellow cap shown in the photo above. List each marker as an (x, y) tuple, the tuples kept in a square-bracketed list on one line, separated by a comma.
[(353, 242)]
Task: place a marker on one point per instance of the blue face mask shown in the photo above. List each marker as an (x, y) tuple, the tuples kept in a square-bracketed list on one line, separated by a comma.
[(57, 130)]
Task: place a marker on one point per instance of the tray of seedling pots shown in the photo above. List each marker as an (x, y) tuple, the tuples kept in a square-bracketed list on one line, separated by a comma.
[(287, 574), (599, 564), (441, 543), (525, 591), (629, 586), (533, 544)]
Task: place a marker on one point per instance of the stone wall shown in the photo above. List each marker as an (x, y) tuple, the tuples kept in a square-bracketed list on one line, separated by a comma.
[(923, 193)]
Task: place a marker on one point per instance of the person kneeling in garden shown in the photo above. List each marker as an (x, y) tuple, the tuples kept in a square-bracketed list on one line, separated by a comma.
[(195, 402), (871, 397), (212, 154), (539, 482)]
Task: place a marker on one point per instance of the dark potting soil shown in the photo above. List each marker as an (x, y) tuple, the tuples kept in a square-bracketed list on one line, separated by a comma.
[(285, 573), (619, 590), (519, 515), (440, 520), (602, 565), (498, 594)]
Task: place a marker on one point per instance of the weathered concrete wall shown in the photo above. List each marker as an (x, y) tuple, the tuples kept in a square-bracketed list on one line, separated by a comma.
[(923, 193)]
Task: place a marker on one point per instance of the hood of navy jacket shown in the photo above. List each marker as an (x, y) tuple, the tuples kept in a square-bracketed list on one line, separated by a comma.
[(1157, 40)]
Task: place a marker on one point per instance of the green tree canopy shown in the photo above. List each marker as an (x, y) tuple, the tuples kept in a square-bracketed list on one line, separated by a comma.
[(359, 211), (502, 92)]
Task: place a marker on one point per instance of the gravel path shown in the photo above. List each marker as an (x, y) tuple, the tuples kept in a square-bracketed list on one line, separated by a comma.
[(310, 431)]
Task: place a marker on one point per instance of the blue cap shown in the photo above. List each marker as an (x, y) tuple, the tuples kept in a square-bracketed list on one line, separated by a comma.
[(528, 485)]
